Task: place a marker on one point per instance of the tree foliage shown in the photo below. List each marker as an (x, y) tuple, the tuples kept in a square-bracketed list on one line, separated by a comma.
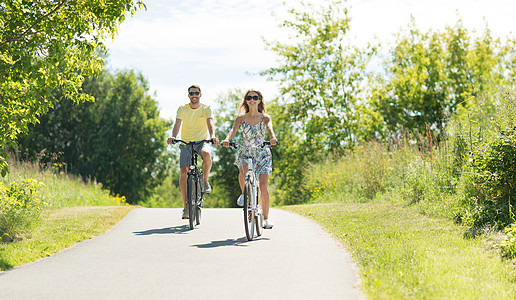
[(428, 76), (225, 172), (119, 139), (321, 77), (49, 45), (290, 158)]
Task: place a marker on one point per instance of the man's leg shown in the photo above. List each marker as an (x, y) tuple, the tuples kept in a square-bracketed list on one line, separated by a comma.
[(182, 184), (206, 162)]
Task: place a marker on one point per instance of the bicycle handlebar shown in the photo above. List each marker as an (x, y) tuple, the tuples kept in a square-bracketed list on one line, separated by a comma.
[(174, 141), (237, 145)]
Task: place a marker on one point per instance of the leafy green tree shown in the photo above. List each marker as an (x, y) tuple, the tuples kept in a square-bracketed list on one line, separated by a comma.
[(225, 172), (429, 75), (321, 77), (119, 139), (47, 46), (290, 158), (321, 111)]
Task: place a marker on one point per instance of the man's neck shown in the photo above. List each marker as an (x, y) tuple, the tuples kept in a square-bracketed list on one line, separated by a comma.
[(194, 106)]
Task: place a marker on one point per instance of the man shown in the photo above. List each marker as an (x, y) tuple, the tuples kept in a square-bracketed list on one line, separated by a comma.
[(197, 121)]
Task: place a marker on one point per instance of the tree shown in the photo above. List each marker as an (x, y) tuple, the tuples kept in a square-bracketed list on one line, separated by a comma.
[(290, 158), (225, 171), (322, 78), (47, 46), (119, 139), (429, 75)]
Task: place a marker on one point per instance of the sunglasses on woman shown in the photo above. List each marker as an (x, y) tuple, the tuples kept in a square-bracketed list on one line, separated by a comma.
[(252, 98)]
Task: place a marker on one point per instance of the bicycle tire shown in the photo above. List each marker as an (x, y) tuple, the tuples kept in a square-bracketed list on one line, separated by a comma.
[(259, 215), (198, 216), (248, 212), (198, 204), (191, 199)]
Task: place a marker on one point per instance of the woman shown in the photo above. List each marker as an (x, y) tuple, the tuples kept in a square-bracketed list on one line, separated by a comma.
[(254, 122)]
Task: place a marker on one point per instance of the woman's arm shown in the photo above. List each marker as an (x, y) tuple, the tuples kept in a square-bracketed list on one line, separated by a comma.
[(233, 131), (268, 123)]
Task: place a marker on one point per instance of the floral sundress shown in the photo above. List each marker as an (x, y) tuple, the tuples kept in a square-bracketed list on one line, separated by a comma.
[(254, 135)]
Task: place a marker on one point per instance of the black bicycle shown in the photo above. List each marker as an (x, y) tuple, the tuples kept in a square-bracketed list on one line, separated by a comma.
[(253, 215), (194, 186)]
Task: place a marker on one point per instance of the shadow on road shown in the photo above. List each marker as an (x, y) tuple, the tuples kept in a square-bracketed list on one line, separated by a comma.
[(242, 242), (166, 230)]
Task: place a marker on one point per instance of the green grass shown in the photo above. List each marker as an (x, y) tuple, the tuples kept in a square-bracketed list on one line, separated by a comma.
[(75, 210), (60, 229), (60, 189), (405, 255)]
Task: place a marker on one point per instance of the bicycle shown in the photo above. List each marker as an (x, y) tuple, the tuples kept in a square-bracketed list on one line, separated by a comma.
[(253, 215), (194, 186)]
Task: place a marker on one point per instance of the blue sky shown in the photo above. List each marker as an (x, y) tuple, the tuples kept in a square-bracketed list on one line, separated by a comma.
[(216, 43)]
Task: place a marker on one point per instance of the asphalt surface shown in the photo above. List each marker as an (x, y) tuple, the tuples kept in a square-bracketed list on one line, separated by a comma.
[(152, 254)]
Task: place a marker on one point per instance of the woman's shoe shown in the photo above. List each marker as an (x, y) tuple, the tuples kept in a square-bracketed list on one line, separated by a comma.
[(267, 224)]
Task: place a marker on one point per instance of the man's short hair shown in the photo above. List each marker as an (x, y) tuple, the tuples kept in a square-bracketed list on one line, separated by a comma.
[(194, 86)]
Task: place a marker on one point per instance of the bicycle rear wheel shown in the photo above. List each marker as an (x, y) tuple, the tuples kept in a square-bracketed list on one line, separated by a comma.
[(191, 200), (249, 218)]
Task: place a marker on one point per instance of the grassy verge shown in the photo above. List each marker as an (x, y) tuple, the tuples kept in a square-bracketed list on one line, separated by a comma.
[(403, 254), (60, 229)]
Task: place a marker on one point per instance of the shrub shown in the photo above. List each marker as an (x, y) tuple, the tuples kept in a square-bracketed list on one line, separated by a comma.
[(508, 245), (490, 194), (19, 209)]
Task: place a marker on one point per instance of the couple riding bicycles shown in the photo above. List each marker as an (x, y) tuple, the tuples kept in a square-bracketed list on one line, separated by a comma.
[(197, 128)]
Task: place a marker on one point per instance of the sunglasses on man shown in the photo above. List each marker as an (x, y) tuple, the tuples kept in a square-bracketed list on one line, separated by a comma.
[(193, 93)]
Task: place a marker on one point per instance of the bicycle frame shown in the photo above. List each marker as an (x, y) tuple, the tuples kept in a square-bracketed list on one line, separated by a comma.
[(253, 215)]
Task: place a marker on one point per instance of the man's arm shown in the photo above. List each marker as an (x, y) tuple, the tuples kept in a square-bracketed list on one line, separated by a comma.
[(211, 131), (175, 131)]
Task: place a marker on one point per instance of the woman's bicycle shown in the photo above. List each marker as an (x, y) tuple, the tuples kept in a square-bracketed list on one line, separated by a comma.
[(194, 186), (253, 216)]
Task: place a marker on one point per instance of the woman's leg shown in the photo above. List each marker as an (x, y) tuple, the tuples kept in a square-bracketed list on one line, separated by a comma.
[(241, 175), (264, 194)]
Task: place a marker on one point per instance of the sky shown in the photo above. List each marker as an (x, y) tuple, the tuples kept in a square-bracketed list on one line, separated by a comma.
[(218, 44)]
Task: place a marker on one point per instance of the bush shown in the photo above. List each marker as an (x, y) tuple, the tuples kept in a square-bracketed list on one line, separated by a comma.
[(19, 209), (490, 194), (508, 245)]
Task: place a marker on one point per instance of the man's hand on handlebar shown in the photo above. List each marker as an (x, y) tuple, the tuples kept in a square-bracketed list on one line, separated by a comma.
[(171, 141)]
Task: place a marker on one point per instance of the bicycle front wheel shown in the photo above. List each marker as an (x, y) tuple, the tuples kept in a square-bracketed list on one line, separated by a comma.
[(198, 201), (248, 211), (258, 215), (191, 200)]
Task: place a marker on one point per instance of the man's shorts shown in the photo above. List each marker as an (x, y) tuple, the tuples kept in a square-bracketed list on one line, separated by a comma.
[(185, 157)]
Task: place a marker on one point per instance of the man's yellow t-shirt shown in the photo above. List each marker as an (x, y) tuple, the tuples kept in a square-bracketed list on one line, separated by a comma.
[(194, 126)]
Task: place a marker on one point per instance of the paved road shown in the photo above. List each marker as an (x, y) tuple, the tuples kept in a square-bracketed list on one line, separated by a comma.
[(152, 254)]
